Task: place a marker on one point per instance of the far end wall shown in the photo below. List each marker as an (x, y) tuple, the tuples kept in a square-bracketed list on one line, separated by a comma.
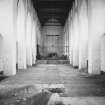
[(52, 40)]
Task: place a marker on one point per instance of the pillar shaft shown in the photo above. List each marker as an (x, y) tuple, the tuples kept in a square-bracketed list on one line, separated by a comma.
[(75, 42), (96, 30), (29, 41), (71, 41), (34, 43), (7, 31), (21, 35), (83, 34), (103, 53)]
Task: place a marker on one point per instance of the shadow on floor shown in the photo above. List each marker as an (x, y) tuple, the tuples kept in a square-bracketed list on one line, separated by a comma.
[(27, 95)]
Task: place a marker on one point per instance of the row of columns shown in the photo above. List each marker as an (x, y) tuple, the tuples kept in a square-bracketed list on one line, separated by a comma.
[(18, 32), (86, 33)]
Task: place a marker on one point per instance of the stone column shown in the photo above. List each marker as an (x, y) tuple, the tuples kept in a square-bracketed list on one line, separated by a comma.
[(67, 30), (69, 36), (75, 39), (103, 53), (1, 53), (21, 35), (34, 43), (7, 31), (96, 14), (83, 33), (38, 39), (64, 36), (65, 39), (71, 39), (29, 40)]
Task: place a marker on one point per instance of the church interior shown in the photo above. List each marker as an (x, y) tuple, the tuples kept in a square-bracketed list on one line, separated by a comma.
[(52, 52)]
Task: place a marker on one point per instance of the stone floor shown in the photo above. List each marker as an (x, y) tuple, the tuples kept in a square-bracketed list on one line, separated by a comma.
[(78, 88)]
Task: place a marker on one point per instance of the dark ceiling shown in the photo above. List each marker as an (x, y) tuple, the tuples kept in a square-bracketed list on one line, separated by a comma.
[(56, 9)]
